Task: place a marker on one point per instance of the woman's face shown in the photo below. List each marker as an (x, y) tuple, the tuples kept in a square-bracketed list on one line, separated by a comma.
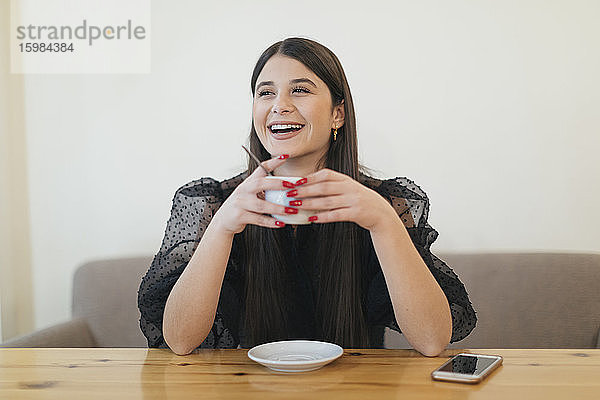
[(292, 109)]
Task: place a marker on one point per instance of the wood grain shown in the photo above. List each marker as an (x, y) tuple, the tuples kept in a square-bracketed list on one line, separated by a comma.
[(104, 373)]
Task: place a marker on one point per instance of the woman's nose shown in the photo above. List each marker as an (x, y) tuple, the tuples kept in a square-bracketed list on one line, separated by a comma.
[(282, 105)]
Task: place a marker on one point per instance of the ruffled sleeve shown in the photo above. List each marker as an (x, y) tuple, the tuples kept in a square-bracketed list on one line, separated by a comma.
[(412, 206), (193, 207)]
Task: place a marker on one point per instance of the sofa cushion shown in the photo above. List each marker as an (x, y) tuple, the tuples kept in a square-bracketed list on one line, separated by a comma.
[(105, 295), (529, 300)]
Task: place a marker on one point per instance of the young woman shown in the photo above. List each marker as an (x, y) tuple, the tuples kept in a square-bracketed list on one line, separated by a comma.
[(230, 275)]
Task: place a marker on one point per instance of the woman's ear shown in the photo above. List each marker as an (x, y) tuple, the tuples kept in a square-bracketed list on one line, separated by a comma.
[(339, 114)]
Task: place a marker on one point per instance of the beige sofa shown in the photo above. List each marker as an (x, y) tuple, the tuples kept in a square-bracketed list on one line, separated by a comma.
[(104, 308), (531, 300)]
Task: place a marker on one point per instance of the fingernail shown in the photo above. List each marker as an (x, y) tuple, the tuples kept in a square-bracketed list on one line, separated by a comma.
[(313, 218), (283, 156), (300, 182), (279, 223), (295, 202), (288, 184), (290, 210), (292, 193)]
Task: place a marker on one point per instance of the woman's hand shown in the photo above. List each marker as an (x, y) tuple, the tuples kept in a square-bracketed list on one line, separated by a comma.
[(246, 204), (338, 197)]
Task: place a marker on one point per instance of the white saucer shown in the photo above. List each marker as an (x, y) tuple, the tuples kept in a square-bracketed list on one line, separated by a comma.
[(295, 355)]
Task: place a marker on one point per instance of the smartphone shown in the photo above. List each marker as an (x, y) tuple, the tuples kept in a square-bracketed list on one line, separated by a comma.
[(467, 368)]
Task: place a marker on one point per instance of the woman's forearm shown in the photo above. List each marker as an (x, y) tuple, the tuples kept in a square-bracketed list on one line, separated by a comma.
[(192, 304), (420, 305)]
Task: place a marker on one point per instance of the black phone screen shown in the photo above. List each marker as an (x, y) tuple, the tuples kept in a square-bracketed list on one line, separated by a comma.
[(471, 365)]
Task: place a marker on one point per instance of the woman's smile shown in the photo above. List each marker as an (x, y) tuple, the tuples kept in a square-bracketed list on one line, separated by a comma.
[(285, 129)]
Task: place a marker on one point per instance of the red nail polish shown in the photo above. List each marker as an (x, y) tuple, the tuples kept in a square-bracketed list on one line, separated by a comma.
[(288, 184), (283, 156), (300, 182), (290, 210), (292, 193), (313, 218), (279, 223), (295, 202)]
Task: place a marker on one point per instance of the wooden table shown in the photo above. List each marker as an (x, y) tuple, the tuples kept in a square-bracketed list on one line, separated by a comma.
[(359, 374)]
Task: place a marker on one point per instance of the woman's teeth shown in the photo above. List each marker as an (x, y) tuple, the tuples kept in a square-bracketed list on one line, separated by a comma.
[(281, 129)]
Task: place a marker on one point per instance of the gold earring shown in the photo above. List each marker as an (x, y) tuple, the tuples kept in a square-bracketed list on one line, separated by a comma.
[(335, 134)]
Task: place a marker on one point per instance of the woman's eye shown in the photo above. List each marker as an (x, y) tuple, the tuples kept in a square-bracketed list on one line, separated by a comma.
[(298, 89), (301, 89)]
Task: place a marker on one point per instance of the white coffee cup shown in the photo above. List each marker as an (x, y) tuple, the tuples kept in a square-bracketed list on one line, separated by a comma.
[(280, 197)]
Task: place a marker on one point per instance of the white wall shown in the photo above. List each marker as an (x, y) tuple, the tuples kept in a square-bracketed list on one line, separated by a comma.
[(491, 107), (15, 251)]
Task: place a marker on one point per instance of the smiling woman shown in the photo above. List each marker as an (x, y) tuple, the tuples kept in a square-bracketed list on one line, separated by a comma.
[(230, 274), (288, 114)]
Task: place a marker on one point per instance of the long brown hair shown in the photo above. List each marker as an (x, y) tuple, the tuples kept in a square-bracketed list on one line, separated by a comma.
[(340, 315)]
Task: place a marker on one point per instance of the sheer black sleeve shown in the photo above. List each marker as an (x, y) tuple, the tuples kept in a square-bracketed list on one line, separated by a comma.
[(194, 205), (412, 205)]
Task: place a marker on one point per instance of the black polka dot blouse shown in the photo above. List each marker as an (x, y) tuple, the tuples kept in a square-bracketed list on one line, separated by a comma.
[(194, 205)]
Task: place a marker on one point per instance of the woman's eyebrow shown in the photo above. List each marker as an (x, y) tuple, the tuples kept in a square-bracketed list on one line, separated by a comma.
[(264, 83), (303, 80), (293, 81)]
